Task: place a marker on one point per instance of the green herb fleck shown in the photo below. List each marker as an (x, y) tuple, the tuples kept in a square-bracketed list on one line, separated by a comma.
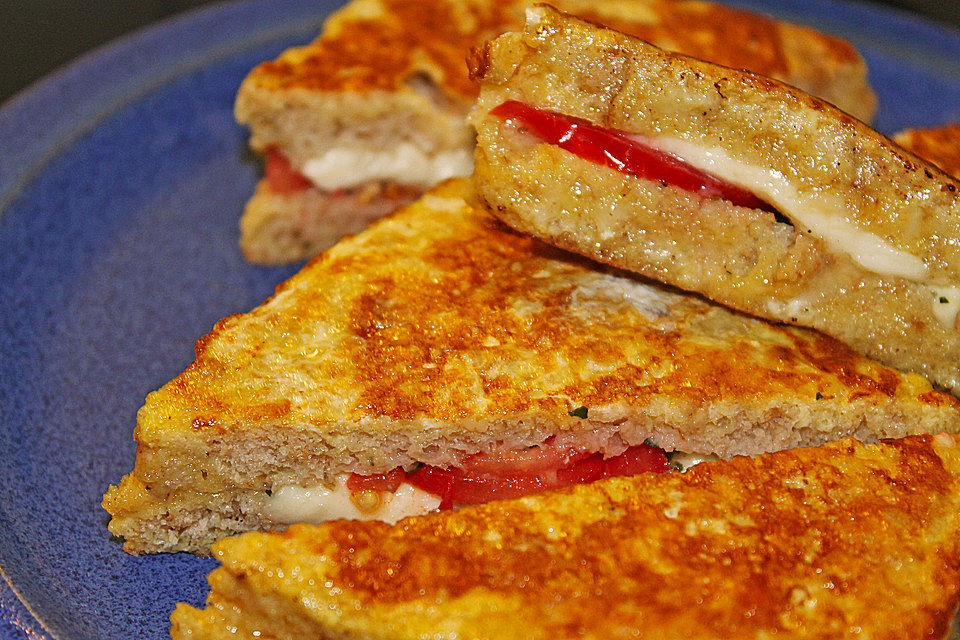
[(943, 300), (579, 412), (649, 443), (268, 492), (819, 396)]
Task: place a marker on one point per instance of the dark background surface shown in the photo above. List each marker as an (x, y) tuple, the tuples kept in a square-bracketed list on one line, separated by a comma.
[(38, 36)]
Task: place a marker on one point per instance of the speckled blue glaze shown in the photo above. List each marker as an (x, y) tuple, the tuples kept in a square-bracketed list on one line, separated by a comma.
[(121, 182)]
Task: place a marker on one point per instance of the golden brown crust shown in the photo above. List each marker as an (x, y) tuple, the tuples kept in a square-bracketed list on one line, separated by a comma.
[(723, 35), (940, 145), (439, 332), (380, 306), (838, 541), (379, 44)]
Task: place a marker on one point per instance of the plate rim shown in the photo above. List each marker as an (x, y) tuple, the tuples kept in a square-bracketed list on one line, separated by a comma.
[(142, 61)]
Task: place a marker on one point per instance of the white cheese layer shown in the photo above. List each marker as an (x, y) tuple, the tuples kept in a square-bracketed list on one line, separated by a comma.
[(319, 503), (822, 214), (404, 163), (946, 304), (682, 461)]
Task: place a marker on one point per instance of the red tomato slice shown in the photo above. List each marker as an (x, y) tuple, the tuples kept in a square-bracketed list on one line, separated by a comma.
[(615, 149), (586, 470), (434, 480), (472, 487), (377, 482), (455, 485), (480, 488), (532, 460), (281, 176), (636, 460)]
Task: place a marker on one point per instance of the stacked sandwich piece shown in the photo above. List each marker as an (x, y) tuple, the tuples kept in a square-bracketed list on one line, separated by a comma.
[(722, 182), (374, 111), (439, 337), (839, 541), (441, 359)]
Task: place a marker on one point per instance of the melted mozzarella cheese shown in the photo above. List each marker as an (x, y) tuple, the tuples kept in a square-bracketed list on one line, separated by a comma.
[(946, 304), (318, 503), (404, 163), (822, 214), (792, 309), (681, 461)]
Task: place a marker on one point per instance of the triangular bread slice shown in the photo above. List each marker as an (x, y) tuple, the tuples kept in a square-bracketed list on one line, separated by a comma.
[(439, 333), (374, 110), (839, 541), (811, 217)]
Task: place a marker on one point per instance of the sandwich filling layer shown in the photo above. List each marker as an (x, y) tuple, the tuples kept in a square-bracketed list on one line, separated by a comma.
[(618, 150), (345, 168), (801, 544), (480, 478), (319, 503), (404, 163), (713, 173)]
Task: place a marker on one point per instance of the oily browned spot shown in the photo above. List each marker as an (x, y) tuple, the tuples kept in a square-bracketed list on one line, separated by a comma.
[(462, 304), (478, 62), (918, 460), (381, 52), (833, 357), (940, 146), (710, 32), (937, 399)]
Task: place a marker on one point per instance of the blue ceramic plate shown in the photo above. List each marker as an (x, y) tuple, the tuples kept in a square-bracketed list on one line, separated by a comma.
[(121, 182)]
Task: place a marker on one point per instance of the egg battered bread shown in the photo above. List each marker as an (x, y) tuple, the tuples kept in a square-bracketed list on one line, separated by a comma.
[(439, 333), (940, 145), (865, 241), (380, 99), (278, 225), (839, 541)]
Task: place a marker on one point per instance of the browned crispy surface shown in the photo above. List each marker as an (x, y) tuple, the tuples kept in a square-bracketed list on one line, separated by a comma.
[(443, 314), (439, 332), (380, 44), (839, 541), (940, 145), (731, 37)]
